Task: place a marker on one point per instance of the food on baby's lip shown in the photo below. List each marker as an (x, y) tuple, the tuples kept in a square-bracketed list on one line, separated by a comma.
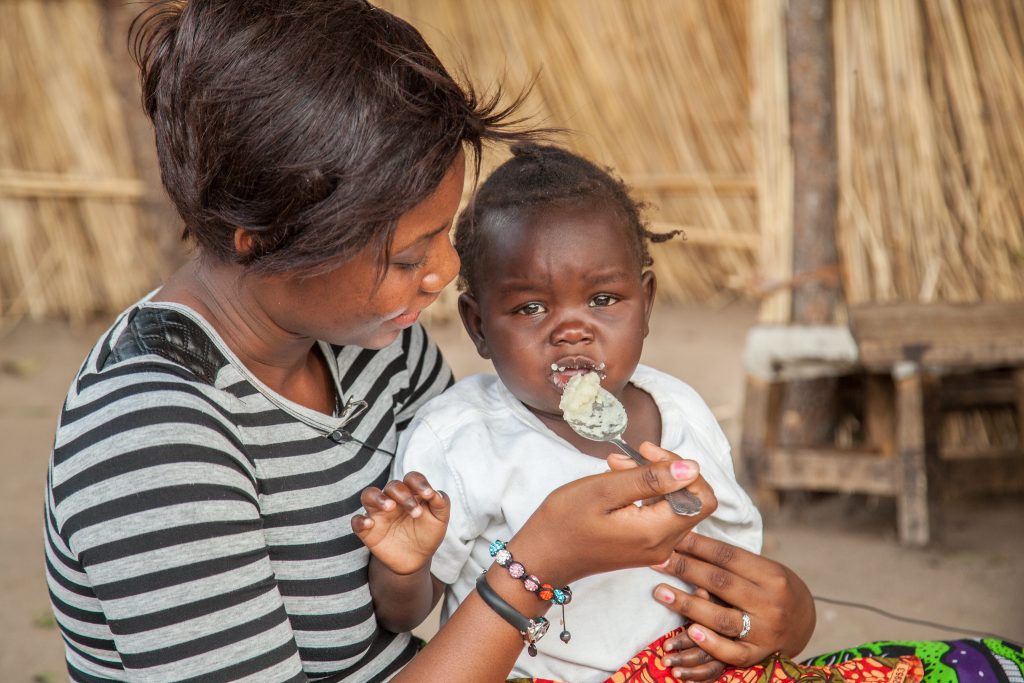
[(589, 407)]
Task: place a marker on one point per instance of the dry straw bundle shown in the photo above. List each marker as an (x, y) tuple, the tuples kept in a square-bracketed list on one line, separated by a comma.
[(930, 107), (70, 239), (658, 90)]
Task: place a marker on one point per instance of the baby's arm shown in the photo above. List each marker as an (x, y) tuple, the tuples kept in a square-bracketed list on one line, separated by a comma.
[(402, 527)]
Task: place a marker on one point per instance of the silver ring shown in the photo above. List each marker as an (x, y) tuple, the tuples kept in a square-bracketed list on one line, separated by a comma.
[(746, 627)]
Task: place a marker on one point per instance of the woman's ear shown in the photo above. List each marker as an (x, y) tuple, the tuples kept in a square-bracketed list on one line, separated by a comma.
[(650, 287), (243, 241), (469, 311)]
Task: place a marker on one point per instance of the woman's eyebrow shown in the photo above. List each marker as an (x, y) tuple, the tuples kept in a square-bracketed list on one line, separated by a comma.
[(424, 238)]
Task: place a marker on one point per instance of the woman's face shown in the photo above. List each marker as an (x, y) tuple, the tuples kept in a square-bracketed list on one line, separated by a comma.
[(561, 288), (353, 305)]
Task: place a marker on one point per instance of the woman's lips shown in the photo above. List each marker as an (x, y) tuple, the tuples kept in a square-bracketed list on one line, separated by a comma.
[(406, 319)]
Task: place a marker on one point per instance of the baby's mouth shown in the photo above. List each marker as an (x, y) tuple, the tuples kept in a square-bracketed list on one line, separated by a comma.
[(564, 370)]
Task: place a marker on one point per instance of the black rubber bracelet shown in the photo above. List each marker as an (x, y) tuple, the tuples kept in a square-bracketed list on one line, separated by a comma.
[(531, 630)]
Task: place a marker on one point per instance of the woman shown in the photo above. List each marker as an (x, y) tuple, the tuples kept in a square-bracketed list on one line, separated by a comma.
[(214, 445)]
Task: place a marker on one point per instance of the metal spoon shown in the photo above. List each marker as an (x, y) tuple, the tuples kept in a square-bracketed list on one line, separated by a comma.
[(597, 427)]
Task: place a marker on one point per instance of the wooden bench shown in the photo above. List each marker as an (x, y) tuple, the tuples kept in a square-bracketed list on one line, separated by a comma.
[(902, 356)]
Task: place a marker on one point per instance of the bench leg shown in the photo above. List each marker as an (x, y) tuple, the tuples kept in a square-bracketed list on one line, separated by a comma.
[(760, 418), (912, 499)]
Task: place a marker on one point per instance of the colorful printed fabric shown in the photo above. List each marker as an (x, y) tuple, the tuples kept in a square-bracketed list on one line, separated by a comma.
[(868, 667), (989, 660), (779, 669)]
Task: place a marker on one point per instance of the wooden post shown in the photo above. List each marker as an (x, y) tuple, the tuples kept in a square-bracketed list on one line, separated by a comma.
[(912, 499), (1018, 382), (809, 408)]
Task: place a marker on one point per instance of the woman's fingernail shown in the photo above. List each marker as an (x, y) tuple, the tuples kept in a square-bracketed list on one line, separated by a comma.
[(681, 469), (667, 647), (696, 634), (665, 595)]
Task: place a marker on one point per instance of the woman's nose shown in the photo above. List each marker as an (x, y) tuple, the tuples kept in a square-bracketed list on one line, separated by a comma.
[(445, 271)]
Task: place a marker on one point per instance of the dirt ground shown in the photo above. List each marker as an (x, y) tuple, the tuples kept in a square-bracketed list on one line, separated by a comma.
[(971, 577)]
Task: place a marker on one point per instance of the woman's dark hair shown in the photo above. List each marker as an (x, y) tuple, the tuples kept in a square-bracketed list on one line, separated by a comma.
[(536, 178), (313, 124)]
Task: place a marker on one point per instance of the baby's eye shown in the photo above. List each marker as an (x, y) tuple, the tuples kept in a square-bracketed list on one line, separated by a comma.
[(532, 308), (603, 300)]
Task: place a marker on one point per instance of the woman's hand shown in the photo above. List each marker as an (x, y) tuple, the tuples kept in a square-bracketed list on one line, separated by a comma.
[(591, 525), (404, 524), (582, 528), (778, 604)]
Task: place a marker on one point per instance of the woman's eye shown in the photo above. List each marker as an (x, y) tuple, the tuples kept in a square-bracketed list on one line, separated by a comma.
[(530, 309), (603, 300), (409, 266)]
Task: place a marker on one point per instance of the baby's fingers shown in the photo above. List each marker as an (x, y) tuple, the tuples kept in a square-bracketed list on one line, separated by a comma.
[(361, 524), (440, 506), (735, 652), (375, 502), (401, 494), (678, 643)]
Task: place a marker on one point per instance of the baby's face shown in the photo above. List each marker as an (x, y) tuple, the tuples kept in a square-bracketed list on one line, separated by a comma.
[(561, 294)]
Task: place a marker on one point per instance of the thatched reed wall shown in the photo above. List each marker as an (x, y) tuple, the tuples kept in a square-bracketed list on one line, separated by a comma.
[(687, 100), (931, 131), (930, 125), (657, 90), (71, 243)]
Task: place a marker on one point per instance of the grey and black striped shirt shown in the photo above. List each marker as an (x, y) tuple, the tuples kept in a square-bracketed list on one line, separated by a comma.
[(197, 523)]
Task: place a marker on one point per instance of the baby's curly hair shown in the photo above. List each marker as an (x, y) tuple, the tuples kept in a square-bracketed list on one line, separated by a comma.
[(536, 178)]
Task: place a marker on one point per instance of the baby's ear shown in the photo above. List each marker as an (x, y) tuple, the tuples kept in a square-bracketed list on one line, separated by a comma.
[(650, 286), (469, 311)]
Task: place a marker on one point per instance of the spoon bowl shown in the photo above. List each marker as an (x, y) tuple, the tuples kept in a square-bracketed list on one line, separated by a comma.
[(602, 417)]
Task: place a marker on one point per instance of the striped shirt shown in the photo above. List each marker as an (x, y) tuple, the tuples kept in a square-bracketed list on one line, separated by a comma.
[(198, 523)]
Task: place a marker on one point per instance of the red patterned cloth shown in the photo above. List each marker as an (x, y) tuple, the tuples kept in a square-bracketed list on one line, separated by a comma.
[(646, 666)]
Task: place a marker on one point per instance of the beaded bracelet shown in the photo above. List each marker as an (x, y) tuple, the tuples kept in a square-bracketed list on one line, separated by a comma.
[(545, 591)]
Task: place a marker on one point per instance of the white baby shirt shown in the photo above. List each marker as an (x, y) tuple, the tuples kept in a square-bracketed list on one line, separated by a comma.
[(497, 462)]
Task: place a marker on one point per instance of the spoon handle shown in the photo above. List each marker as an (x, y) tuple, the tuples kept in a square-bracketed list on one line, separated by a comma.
[(683, 502)]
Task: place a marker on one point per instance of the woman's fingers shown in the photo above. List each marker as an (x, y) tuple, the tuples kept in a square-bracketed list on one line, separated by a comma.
[(726, 649), (700, 610), (720, 581), (722, 554), (625, 486), (685, 469)]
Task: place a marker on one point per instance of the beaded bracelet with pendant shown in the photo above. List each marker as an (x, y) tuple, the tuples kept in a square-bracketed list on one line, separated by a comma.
[(545, 591)]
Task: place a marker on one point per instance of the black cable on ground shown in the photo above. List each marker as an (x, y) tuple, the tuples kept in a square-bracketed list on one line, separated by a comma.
[(919, 622)]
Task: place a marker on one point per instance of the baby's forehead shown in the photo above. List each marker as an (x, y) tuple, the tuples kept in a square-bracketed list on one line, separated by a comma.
[(571, 214)]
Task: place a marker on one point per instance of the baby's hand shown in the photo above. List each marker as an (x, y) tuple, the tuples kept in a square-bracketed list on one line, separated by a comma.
[(690, 663), (404, 523), (687, 661)]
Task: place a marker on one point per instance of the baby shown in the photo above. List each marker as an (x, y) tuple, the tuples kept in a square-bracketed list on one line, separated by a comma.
[(554, 257)]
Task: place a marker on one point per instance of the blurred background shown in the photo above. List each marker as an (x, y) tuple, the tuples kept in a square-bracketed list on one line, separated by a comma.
[(849, 296)]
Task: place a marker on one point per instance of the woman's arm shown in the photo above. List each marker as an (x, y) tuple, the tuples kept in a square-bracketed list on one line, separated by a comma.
[(586, 527)]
